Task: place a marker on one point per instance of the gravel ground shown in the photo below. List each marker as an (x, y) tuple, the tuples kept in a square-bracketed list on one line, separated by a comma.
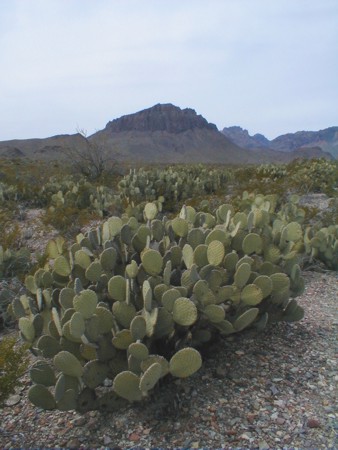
[(272, 390)]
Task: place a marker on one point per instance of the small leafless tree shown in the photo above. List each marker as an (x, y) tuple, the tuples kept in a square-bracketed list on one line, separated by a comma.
[(90, 159)]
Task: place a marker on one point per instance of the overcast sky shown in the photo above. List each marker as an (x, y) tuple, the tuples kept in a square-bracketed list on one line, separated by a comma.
[(270, 66)]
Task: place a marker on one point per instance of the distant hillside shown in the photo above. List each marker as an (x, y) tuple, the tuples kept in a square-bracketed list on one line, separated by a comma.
[(165, 134), (325, 140), (45, 148)]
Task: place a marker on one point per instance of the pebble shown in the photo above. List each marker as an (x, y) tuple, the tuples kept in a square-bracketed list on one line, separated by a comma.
[(79, 421), (313, 423), (107, 440), (134, 437), (13, 400), (73, 443), (280, 420)]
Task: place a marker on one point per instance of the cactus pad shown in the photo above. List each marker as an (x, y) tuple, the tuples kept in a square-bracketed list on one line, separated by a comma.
[(94, 373), (68, 364), (42, 373), (251, 295), (41, 397), (48, 346), (27, 329), (117, 288), (126, 385), (265, 284), (242, 275), (138, 350), (85, 303), (150, 377), (215, 313), (124, 313), (62, 267), (215, 253), (245, 319), (152, 261), (122, 340), (185, 362), (150, 211), (138, 328), (252, 243), (184, 311)]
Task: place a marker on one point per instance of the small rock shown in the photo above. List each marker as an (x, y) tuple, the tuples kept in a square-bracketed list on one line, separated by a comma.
[(92, 423), (239, 353), (231, 432), (220, 372), (245, 436), (263, 445), (73, 443), (79, 421), (13, 400), (313, 423), (134, 437), (251, 418), (106, 440), (280, 420)]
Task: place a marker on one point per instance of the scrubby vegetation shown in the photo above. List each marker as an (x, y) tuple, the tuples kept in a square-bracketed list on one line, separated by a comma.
[(13, 364), (187, 254)]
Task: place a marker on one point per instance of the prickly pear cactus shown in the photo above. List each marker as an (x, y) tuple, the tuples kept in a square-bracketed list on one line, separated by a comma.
[(134, 299)]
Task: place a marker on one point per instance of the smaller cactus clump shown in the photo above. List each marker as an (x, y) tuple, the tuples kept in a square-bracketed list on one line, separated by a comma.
[(322, 245), (269, 173), (134, 299)]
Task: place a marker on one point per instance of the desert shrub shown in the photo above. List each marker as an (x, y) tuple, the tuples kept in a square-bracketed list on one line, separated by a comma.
[(10, 232), (68, 219), (14, 262), (13, 364)]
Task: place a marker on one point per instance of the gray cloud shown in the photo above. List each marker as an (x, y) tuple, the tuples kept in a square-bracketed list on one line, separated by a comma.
[(270, 67)]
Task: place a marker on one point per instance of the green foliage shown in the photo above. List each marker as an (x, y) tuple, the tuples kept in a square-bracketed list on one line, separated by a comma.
[(66, 219), (14, 262), (13, 364)]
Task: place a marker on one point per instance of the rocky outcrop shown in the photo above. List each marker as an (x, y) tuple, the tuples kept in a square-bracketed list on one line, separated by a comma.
[(161, 117), (241, 137)]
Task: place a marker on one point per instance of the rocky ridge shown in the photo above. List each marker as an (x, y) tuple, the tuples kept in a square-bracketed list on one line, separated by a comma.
[(314, 142), (161, 117)]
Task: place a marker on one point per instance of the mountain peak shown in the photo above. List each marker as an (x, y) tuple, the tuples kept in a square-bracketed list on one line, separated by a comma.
[(160, 117), (241, 137)]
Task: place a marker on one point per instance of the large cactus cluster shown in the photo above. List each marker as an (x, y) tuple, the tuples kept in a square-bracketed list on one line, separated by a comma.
[(133, 300), (173, 184)]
